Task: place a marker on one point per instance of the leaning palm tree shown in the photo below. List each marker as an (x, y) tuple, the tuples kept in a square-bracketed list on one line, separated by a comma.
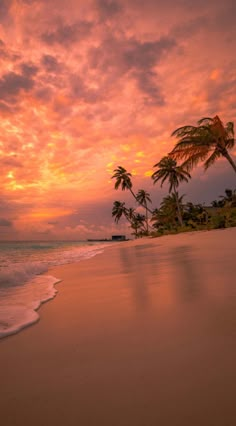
[(207, 142), (169, 170), (123, 180), (143, 197)]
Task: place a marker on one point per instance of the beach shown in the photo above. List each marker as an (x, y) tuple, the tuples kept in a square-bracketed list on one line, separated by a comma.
[(142, 334)]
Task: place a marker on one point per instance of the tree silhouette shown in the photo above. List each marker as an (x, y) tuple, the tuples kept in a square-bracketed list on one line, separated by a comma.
[(206, 142)]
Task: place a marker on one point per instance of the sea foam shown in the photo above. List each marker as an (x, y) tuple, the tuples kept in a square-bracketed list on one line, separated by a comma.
[(18, 308), (23, 288)]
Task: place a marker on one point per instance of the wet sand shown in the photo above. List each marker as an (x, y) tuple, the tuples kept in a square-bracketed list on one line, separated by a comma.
[(141, 335)]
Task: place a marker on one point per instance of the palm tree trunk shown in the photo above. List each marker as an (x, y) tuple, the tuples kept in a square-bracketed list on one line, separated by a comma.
[(178, 208), (147, 219), (143, 205), (227, 156)]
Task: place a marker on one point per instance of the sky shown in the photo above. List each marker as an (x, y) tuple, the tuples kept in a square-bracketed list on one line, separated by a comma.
[(88, 86)]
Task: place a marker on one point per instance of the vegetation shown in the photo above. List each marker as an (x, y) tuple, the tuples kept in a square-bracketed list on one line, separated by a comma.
[(123, 179), (168, 170), (205, 143), (143, 198)]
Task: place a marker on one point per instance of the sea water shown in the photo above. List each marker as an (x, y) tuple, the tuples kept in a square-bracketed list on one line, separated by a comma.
[(23, 288)]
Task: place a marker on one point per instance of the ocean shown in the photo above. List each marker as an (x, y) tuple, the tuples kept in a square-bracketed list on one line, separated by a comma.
[(24, 283)]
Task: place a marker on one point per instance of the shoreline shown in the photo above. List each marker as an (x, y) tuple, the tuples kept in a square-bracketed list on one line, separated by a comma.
[(141, 334)]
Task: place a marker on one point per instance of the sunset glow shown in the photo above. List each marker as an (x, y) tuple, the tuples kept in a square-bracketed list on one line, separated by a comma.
[(87, 86)]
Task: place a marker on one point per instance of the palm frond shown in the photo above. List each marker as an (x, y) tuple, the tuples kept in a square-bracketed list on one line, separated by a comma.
[(230, 141), (205, 120), (185, 152), (229, 144), (230, 128), (162, 176), (193, 161), (117, 184), (207, 142), (159, 174), (183, 175), (182, 131), (212, 159)]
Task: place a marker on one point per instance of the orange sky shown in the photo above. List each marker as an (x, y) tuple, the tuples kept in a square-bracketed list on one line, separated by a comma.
[(87, 86)]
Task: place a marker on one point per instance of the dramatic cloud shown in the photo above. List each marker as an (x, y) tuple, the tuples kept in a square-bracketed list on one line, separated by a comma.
[(5, 222), (50, 63), (4, 8), (87, 86), (108, 8), (65, 35), (12, 84)]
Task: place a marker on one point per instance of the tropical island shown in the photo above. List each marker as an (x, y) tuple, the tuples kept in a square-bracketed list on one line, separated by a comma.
[(207, 142), (143, 332)]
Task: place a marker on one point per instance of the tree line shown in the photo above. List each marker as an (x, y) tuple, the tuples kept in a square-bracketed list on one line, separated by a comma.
[(206, 142)]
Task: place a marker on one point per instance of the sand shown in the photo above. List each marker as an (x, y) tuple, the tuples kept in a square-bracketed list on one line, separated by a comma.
[(141, 335)]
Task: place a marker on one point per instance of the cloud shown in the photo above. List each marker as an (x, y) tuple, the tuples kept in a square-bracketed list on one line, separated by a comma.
[(145, 55), (217, 90), (11, 84), (225, 16), (81, 91), (12, 162), (31, 1), (28, 70), (3, 53), (7, 54), (5, 222), (191, 27), (119, 57), (50, 63), (5, 6), (5, 108), (67, 34), (108, 8), (88, 84), (127, 54), (147, 82)]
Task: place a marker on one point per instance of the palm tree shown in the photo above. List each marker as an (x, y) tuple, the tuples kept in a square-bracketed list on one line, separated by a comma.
[(136, 220), (119, 210), (155, 219), (195, 214), (166, 217), (143, 197), (161, 220), (168, 169), (230, 196), (170, 207), (137, 224), (228, 199), (123, 179), (207, 142), (130, 212)]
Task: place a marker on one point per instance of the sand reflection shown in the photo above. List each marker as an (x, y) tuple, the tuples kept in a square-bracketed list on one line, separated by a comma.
[(177, 268), (141, 267), (187, 281)]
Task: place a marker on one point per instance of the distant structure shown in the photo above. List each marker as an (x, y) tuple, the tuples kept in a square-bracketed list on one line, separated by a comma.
[(113, 238), (118, 238)]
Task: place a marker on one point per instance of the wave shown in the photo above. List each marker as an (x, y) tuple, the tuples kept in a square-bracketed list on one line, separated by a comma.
[(13, 275), (23, 288), (20, 310)]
